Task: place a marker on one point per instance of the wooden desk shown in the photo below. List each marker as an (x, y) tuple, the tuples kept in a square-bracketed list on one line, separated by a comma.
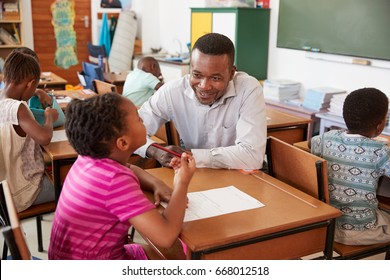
[(116, 78), (298, 111), (287, 127), (74, 94), (292, 224), (50, 80)]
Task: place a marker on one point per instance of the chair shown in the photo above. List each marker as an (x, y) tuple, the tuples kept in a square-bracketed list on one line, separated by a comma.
[(33, 211), (91, 72), (103, 87), (303, 171), (94, 52), (280, 165), (12, 232)]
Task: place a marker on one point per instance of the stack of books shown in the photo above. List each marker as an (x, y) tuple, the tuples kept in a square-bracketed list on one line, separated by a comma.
[(281, 90), (336, 104), (319, 98)]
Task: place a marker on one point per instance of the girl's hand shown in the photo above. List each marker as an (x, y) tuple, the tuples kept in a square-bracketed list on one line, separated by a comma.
[(161, 193), (49, 112), (44, 98), (184, 169)]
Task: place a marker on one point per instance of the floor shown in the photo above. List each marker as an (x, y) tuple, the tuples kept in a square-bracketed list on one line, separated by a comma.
[(29, 226)]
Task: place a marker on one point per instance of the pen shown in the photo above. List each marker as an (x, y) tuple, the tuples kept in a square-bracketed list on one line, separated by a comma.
[(166, 150)]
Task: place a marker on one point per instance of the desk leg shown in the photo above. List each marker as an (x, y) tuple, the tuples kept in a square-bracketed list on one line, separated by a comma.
[(57, 179), (328, 252)]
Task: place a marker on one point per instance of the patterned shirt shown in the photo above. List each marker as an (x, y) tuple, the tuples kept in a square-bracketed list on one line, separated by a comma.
[(91, 220), (355, 164)]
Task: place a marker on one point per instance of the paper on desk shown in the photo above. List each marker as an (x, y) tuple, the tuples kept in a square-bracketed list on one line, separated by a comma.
[(65, 99), (59, 135), (215, 202)]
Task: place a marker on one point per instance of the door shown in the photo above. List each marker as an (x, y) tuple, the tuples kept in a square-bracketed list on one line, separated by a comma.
[(45, 42)]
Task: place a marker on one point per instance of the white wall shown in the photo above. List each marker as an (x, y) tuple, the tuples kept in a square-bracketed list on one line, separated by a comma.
[(163, 21)]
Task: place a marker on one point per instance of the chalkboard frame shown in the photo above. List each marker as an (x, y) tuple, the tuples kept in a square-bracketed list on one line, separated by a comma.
[(358, 28)]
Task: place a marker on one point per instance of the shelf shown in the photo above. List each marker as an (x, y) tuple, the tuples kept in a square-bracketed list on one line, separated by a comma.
[(9, 46)]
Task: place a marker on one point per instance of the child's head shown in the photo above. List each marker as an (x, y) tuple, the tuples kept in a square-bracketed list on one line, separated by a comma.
[(21, 65), (365, 111), (101, 124), (150, 65)]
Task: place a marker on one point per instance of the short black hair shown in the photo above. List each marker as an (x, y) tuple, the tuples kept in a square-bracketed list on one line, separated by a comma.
[(215, 44), (92, 125), (364, 109), (21, 65)]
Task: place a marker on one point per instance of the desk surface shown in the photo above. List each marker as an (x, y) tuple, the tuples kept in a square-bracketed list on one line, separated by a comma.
[(285, 208), (50, 79), (115, 77), (277, 118)]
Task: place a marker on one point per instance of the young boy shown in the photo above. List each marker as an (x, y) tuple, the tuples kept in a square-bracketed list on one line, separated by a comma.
[(141, 83), (356, 160)]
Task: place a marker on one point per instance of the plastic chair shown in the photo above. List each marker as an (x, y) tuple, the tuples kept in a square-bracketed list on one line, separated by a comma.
[(91, 72), (95, 51)]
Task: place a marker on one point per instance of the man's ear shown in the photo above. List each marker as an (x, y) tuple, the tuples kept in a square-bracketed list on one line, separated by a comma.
[(232, 72)]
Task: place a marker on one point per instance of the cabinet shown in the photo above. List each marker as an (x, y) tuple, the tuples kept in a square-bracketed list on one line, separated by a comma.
[(10, 26), (248, 28)]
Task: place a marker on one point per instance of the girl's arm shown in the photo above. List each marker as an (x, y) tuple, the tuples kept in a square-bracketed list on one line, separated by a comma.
[(163, 229), (41, 134), (150, 183)]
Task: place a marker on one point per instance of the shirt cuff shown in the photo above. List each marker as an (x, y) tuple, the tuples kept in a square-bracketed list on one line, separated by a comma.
[(141, 151), (202, 157)]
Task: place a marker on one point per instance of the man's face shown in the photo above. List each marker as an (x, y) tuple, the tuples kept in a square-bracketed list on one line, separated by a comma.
[(210, 76)]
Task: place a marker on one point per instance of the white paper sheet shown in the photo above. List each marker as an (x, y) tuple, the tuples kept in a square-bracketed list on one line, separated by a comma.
[(215, 202), (59, 135)]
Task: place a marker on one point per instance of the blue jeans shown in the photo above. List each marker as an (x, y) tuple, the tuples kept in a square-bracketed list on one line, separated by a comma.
[(46, 193)]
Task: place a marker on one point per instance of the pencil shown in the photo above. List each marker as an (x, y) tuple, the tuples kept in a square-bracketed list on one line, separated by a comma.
[(166, 150)]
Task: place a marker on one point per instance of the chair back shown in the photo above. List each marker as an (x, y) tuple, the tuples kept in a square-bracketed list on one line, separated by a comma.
[(91, 72), (104, 87), (297, 168), (13, 233), (95, 51)]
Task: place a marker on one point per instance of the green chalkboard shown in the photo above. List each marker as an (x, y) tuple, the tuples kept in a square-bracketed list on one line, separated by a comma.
[(349, 27)]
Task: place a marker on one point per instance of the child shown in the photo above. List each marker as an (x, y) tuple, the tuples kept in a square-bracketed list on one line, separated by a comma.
[(143, 81), (21, 160), (102, 197), (356, 160)]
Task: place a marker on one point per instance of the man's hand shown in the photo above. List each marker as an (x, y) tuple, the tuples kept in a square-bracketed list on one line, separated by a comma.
[(163, 157)]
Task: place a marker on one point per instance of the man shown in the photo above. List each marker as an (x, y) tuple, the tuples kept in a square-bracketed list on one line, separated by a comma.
[(219, 113)]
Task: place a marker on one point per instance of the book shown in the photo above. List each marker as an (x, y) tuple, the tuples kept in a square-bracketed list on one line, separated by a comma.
[(319, 98)]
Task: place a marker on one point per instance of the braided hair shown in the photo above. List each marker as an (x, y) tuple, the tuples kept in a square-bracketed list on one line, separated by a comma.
[(364, 109), (21, 65), (92, 125)]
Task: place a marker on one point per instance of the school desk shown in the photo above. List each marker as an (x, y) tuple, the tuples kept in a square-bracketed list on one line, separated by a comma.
[(291, 225), (74, 94), (116, 78), (50, 80), (297, 111), (287, 127)]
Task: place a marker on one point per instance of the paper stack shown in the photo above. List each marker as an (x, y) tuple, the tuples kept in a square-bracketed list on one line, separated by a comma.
[(319, 98), (336, 104), (281, 90)]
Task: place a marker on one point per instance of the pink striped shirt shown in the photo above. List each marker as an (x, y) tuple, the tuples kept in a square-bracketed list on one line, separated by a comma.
[(91, 220)]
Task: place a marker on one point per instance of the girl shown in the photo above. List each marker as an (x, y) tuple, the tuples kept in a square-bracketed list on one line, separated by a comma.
[(102, 196), (21, 161)]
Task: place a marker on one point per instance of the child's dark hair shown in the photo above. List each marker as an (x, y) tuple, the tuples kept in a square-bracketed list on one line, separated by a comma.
[(21, 65), (92, 125), (215, 44), (364, 109)]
